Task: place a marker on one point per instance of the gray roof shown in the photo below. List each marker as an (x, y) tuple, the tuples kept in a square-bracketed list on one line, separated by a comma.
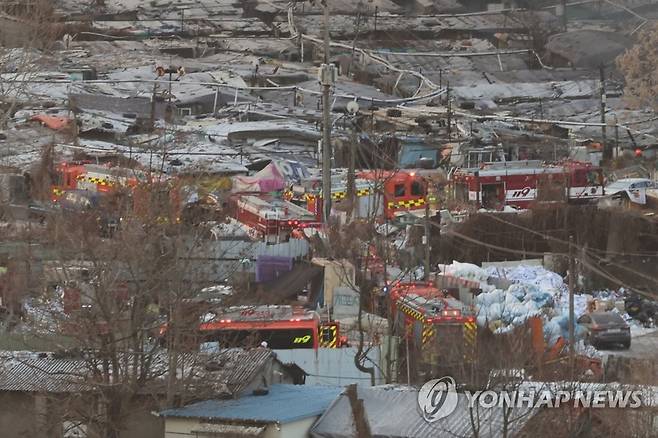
[(38, 373), (233, 370), (345, 26), (392, 411), (588, 48)]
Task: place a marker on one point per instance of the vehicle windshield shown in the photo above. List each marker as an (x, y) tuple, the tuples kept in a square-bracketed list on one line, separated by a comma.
[(607, 318)]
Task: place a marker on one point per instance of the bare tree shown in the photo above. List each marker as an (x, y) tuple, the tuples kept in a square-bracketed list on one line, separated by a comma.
[(120, 291), (369, 251), (639, 65), (27, 32)]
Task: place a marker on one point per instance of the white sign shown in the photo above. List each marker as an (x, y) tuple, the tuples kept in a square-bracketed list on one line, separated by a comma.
[(346, 302)]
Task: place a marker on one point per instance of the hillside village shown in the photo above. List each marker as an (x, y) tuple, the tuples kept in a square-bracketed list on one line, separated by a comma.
[(328, 219)]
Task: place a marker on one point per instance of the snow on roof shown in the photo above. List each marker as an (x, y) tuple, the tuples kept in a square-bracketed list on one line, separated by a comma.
[(552, 90)]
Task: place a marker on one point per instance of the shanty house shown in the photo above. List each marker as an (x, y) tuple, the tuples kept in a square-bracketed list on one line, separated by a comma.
[(280, 411), (44, 394)]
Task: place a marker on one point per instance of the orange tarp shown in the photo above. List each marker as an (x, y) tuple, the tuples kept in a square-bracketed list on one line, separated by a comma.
[(52, 122)]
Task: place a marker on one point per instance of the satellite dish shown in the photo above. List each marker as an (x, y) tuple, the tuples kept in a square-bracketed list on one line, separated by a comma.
[(352, 107)]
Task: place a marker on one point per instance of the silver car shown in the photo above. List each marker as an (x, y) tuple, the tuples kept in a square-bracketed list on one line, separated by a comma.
[(627, 184), (605, 328)]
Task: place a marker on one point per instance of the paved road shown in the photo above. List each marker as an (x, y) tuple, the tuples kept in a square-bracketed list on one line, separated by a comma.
[(642, 347)]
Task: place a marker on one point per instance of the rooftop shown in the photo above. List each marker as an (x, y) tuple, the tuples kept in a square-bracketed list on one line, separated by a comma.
[(282, 404), (380, 401), (231, 371)]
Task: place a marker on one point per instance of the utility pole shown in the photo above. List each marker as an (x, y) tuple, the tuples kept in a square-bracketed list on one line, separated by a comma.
[(572, 335), (426, 242), (564, 15), (356, 36), (606, 149), (449, 110), (326, 79), (358, 413), (616, 154), (406, 341), (351, 177), (152, 115)]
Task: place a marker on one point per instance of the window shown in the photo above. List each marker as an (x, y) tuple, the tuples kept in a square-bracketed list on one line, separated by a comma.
[(275, 338), (417, 189), (608, 318), (399, 190)]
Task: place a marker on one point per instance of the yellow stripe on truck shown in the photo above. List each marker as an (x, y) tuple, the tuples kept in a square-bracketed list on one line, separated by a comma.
[(406, 203)]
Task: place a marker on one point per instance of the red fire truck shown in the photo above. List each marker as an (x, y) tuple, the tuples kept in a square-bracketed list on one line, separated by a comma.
[(66, 178), (403, 191), (281, 327), (520, 183), (92, 177), (153, 194), (272, 219), (438, 331)]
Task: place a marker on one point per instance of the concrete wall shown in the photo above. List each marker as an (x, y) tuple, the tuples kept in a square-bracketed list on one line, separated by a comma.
[(296, 429), (332, 366), (12, 33), (143, 424), (25, 414), (18, 416), (185, 427)]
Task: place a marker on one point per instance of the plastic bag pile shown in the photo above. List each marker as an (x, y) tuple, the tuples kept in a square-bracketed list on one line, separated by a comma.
[(532, 291)]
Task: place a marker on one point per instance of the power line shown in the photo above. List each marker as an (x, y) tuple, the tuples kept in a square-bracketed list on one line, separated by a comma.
[(294, 88), (561, 241), (569, 244), (496, 247), (606, 275)]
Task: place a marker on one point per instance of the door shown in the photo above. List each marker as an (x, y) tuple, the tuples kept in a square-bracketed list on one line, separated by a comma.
[(493, 196)]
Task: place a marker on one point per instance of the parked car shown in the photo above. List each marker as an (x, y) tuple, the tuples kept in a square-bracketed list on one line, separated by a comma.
[(626, 184), (605, 328)]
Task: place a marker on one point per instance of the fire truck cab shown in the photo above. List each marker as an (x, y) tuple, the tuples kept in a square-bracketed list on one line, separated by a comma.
[(520, 183), (378, 194), (66, 178)]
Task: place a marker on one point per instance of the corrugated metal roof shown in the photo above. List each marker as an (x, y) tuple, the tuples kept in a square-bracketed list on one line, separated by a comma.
[(226, 372), (393, 412), (34, 373), (236, 368), (282, 404)]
